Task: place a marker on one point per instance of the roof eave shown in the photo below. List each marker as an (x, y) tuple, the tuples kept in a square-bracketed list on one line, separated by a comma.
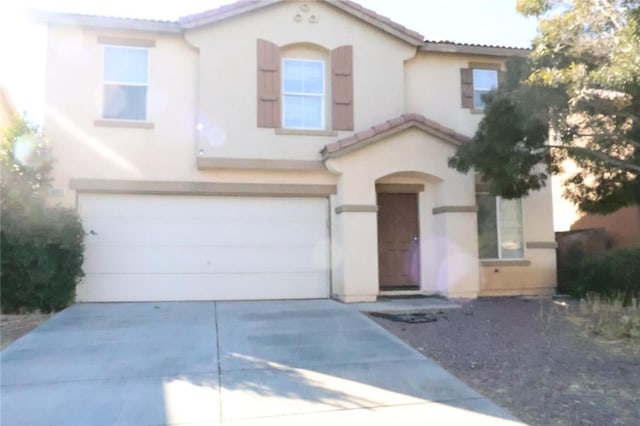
[(106, 22), (212, 16), (414, 41), (474, 50), (442, 135)]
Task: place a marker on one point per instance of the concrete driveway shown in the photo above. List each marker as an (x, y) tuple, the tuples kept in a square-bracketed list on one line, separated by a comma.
[(236, 363)]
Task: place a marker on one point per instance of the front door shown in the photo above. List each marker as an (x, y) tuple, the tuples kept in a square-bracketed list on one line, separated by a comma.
[(398, 241)]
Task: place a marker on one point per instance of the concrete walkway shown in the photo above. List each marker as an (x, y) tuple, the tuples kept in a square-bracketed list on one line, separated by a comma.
[(236, 363)]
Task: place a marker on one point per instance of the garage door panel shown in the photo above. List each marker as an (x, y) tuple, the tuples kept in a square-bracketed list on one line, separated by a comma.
[(165, 232), (150, 259), (160, 247), (165, 287), (154, 207)]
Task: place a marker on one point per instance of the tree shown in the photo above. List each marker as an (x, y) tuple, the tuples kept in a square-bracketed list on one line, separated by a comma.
[(42, 247), (576, 97), (26, 165)]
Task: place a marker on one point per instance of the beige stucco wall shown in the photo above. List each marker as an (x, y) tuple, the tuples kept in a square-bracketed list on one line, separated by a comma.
[(449, 259), (227, 77), (202, 104), (433, 88)]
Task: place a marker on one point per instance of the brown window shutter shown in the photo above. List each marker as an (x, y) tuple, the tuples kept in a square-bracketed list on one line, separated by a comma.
[(268, 84), (502, 76), (342, 88), (466, 86)]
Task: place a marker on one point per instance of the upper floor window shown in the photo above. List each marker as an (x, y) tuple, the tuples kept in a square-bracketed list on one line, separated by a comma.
[(476, 81), (500, 233), (303, 92), (125, 81), (483, 82)]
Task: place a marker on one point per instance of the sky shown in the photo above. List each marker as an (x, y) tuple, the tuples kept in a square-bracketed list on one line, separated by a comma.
[(22, 43)]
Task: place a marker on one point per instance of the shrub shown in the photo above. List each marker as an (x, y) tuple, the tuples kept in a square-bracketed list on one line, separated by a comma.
[(613, 275), (42, 255)]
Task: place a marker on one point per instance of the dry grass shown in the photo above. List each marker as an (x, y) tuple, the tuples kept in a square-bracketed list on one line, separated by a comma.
[(608, 320)]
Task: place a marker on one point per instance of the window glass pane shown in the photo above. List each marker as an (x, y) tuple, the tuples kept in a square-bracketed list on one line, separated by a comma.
[(312, 112), (478, 102), (293, 76), (485, 79), (293, 112), (114, 64), (487, 226), (302, 112), (511, 239), (124, 65), (125, 102), (137, 66), (313, 80)]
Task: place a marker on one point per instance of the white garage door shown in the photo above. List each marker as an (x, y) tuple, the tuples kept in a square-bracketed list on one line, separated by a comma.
[(152, 248)]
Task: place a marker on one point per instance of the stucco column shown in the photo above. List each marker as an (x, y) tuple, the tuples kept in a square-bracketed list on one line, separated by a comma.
[(457, 254), (355, 253)]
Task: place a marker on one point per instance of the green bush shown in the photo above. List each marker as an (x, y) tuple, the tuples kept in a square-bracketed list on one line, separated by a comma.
[(613, 275), (41, 257)]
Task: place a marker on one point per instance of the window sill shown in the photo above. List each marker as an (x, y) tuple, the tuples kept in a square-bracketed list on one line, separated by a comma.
[(505, 262), (131, 124), (303, 132), (477, 110)]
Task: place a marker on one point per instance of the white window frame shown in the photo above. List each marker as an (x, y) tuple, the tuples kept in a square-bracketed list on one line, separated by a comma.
[(322, 96), (475, 88), (499, 231), (106, 82)]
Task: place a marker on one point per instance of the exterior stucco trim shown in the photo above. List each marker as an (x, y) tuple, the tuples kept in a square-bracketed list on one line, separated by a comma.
[(454, 209), (360, 208), (505, 262), (207, 163), (542, 245), (124, 124), (199, 188), (126, 41), (301, 132), (400, 188)]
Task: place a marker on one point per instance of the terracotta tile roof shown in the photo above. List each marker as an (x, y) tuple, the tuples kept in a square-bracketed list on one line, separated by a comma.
[(458, 43), (390, 127), (473, 48), (243, 6), (103, 21), (383, 19)]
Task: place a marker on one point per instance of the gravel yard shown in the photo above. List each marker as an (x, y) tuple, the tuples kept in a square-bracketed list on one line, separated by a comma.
[(14, 326), (528, 356)]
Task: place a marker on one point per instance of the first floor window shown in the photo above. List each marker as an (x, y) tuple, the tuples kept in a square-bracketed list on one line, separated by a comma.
[(125, 80), (483, 82), (303, 94), (500, 233)]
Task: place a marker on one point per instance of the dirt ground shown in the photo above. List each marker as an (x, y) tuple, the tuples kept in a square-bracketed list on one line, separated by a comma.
[(529, 357), (14, 326)]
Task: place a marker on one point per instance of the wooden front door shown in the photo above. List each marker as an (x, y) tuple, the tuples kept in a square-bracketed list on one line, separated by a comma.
[(398, 241)]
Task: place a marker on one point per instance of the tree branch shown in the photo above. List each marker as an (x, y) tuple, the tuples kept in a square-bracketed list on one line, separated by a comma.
[(624, 165)]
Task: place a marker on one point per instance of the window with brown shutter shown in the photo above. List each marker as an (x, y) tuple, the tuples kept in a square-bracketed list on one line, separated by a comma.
[(268, 84), (477, 80), (466, 83), (342, 88)]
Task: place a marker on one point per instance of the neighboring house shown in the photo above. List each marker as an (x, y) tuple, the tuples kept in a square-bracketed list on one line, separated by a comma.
[(622, 226), (276, 150), (8, 111)]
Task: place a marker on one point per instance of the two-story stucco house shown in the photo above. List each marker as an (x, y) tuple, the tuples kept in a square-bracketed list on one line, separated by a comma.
[(281, 150)]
